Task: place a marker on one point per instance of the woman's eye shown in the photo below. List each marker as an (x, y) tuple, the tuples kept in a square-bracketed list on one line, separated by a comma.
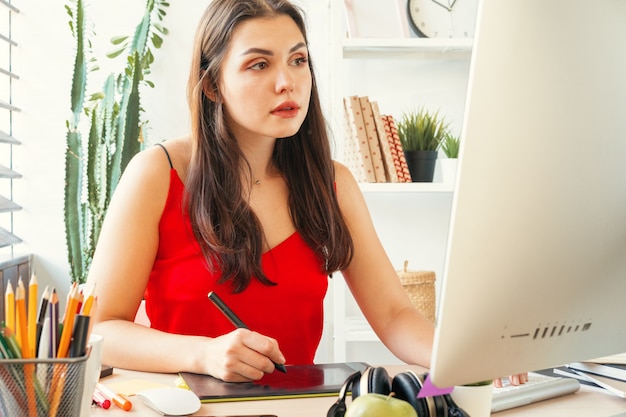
[(259, 66), (300, 61)]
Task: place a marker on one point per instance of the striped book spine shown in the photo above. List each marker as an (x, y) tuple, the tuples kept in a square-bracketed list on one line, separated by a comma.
[(402, 169)]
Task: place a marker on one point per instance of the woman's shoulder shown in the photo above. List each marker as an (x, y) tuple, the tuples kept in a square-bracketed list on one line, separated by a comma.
[(344, 179), (349, 193), (150, 169), (161, 157), (179, 151)]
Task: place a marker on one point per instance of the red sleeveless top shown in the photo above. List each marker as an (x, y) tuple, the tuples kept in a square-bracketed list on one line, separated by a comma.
[(176, 295)]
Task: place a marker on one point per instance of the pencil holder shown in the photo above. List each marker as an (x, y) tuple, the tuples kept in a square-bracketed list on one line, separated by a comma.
[(420, 286), (41, 387)]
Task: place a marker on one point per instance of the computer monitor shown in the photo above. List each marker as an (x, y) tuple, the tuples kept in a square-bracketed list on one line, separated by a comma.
[(535, 272)]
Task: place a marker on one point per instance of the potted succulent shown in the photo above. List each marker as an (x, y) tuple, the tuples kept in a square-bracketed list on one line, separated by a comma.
[(450, 145), (421, 133), (450, 148)]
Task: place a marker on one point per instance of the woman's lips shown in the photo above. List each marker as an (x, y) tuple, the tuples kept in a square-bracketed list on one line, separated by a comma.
[(287, 109)]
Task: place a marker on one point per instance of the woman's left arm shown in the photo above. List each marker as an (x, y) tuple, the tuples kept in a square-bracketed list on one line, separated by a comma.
[(375, 285)]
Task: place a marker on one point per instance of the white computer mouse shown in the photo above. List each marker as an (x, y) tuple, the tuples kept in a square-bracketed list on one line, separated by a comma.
[(170, 401)]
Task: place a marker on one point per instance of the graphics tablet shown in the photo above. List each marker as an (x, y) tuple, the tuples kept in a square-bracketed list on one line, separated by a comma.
[(317, 380)]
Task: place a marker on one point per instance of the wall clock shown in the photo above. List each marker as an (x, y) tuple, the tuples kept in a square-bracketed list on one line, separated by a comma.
[(442, 18)]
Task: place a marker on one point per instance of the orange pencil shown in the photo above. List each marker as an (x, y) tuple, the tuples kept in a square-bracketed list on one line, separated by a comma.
[(60, 370), (29, 369), (68, 322), (33, 289), (9, 307)]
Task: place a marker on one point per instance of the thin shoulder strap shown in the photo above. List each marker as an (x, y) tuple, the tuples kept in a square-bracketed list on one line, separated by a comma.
[(167, 154)]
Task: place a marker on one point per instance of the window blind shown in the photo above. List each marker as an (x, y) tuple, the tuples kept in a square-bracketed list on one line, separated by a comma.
[(7, 140)]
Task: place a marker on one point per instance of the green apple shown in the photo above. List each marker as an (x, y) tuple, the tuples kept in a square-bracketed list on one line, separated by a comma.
[(379, 405)]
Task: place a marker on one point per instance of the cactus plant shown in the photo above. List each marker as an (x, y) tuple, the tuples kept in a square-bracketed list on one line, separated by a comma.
[(113, 124)]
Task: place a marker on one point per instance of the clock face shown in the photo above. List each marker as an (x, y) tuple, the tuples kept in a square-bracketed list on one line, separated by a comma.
[(442, 18)]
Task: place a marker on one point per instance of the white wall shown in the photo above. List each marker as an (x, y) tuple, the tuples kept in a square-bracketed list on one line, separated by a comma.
[(44, 60)]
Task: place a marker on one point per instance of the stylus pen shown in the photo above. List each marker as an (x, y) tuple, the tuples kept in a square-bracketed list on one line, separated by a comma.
[(236, 321)]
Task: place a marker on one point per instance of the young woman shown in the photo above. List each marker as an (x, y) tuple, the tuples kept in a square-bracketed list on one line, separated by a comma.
[(250, 206)]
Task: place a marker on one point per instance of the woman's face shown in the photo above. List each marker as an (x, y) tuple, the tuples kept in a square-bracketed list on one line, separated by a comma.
[(266, 81)]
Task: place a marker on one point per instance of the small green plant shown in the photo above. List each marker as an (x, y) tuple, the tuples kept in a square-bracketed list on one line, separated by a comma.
[(450, 145), (421, 130), (480, 383)]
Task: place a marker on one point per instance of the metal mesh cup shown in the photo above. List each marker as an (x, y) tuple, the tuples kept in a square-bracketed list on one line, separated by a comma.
[(41, 387)]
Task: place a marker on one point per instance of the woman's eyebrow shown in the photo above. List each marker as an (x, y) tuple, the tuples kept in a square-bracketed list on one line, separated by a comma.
[(297, 46), (268, 52)]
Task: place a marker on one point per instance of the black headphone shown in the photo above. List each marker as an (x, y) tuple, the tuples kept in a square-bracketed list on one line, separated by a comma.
[(405, 386)]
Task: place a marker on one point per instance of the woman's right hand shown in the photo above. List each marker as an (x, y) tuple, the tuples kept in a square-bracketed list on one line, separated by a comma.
[(240, 356)]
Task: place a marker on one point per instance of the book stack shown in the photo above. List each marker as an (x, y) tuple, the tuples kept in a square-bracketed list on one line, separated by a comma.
[(608, 373), (373, 151)]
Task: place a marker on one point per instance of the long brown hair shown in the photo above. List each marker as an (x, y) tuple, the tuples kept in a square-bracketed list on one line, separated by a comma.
[(228, 231)]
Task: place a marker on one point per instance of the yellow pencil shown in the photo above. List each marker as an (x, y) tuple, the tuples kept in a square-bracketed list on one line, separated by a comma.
[(20, 318), (88, 303), (9, 307), (33, 289)]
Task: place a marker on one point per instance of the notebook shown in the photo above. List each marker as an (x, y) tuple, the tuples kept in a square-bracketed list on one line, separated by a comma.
[(538, 388), (612, 385), (319, 380), (609, 370)]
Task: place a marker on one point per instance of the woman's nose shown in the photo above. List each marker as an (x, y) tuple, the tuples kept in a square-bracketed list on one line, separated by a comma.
[(284, 81)]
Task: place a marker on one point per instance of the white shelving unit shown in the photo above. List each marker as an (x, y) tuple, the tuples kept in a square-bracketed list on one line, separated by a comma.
[(387, 201), (413, 187), (404, 47)]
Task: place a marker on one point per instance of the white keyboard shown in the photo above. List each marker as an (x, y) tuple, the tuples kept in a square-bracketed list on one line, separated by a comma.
[(538, 388)]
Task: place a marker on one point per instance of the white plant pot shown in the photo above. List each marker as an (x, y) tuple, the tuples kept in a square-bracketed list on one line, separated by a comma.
[(475, 400), (448, 168)]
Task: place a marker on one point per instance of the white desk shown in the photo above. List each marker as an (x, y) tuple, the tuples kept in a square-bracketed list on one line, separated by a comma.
[(585, 403)]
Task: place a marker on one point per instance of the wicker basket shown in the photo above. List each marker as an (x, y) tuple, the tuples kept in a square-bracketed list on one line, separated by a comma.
[(420, 286)]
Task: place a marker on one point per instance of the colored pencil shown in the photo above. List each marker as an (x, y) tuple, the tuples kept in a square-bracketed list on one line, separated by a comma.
[(68, 322), (20, 315), (33, 292), (87, 305), (29, 368), (43, 310), (43, 349), (59, 374), (9, 307), (54, 323)]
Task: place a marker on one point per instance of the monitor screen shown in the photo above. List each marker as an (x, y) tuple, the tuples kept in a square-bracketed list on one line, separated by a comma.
[(535, 272)]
